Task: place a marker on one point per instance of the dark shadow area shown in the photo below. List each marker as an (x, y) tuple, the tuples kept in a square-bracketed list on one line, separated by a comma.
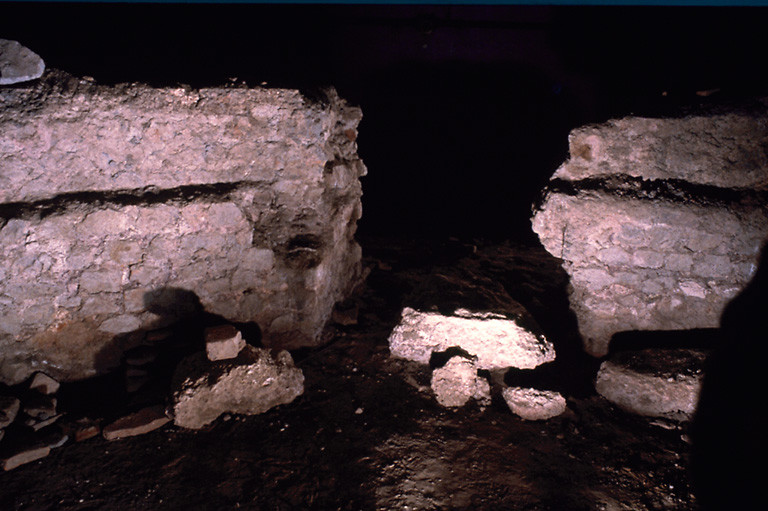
[(696, 338), (729, 430)]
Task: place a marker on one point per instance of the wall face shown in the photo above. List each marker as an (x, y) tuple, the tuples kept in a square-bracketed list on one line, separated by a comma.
[(659, 222), (125, 208)]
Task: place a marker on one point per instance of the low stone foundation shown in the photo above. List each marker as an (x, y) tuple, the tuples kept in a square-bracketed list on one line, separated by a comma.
[(658, 222), (127, 208)]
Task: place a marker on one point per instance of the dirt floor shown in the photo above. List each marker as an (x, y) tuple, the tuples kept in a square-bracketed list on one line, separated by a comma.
[(368, 435)]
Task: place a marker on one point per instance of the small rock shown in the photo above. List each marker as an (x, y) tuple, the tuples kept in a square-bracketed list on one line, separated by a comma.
[(135, 383), (25, 455), (252, 383), (223, 342), (653, 382), (44, 384), (41, 407), (9, 407), (533, 404), (18, 63), (143, 421), (85, 428), (457, 382), (158, 335)]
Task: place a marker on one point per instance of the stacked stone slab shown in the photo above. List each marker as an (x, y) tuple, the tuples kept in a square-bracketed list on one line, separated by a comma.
[(658, 222), (123, 208)]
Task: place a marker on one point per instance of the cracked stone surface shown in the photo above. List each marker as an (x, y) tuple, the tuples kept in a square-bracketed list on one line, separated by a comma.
[(126, 208), (631, 215)]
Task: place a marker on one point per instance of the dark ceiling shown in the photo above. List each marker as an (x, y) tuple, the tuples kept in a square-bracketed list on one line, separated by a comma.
[(467, 109)]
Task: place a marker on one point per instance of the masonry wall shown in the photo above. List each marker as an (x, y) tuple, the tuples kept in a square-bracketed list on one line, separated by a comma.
[(658, 222), (126, 208)]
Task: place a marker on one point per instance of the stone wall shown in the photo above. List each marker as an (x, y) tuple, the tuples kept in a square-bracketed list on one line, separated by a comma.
[(658, 222), (129, 207)]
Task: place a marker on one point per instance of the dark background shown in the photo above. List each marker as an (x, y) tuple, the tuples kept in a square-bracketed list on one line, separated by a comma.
[(466, 108)]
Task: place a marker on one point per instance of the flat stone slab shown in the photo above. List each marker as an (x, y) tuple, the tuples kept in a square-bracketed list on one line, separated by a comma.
[(26, 455), (457, 382), (654, 382), (143, 421), (533, 404), (250, 384), (496, 340), (18, 63)]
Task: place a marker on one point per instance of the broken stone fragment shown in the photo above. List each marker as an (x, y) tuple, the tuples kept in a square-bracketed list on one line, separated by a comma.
[(457, 382), (653, 382), (9, 407), (496, 340), (252, 383), (44, 384), (18, 63), (534, 404), (40, 407), (223, 342), (38, 424), (24, 455), (143, 421), (84, 428)]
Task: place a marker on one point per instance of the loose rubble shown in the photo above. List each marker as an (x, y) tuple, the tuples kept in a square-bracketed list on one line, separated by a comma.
[(457, 382), (533, 404), (252, 383), (223, 342), (654, 382)]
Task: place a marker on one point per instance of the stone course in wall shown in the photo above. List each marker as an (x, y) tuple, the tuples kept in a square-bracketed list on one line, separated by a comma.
[(658, 222), (126, 208)]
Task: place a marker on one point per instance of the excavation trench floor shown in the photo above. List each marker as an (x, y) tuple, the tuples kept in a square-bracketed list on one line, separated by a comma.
[(368, 435)]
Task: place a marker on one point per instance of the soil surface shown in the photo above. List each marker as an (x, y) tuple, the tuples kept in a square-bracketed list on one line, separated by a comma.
[(367, 434)]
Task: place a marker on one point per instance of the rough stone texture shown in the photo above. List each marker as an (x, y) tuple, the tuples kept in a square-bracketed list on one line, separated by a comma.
[(223, 342), (18, 63), (658, 222), (653, 382), (457, 382), (533, 404), (250, 384), (139, 423), (497, 341), (9, 407), (127, 208)]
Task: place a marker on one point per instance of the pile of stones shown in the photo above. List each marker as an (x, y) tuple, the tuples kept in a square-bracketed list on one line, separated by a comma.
[(487, 336)]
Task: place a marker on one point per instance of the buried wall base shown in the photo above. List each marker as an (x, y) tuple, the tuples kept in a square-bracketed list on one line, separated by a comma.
[(127, 208)]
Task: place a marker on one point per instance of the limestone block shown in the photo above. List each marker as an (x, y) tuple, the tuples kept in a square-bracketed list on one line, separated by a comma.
[(457, 382), (223, 342), (250, 384), (18, 63), (533, 404), (128, 208), (658, 222), (497, 341), (654, 382)]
